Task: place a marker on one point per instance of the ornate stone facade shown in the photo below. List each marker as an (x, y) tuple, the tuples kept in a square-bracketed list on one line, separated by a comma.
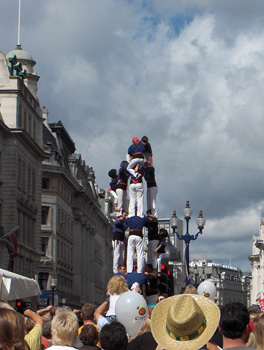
[(231, 284), (21, 158), (49, 191), (257, 265)]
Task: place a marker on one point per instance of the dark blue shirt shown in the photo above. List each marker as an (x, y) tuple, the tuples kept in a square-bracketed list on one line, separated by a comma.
[(149, 176), (123, 177), (136, 224), (113, 184), (133, 277), (136, 152), (119, 230)]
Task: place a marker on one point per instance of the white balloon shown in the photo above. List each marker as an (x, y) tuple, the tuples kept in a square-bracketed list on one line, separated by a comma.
[(207, 289), (131, 310)]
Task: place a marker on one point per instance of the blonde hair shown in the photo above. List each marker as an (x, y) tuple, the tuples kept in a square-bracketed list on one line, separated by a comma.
[(146, 327), (251, 343), (117, 285), (190, 290), (64, 328), (259, 331)]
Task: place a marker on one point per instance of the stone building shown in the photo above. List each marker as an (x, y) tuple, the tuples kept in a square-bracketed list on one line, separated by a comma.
[(50, 193), (75, 233), (21, 156), (231, 284), (257, 265)]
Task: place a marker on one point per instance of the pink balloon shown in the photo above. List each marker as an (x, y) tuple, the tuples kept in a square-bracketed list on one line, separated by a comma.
[(131, 310)]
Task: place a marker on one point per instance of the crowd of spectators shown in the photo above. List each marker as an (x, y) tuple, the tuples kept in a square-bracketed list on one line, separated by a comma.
[(187, 322)]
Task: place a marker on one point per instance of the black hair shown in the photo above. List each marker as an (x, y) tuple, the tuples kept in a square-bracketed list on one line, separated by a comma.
[(234, 320), (144, 139), (124, 162), (113, 337), (150, 266), (164, 232), (112, 173)]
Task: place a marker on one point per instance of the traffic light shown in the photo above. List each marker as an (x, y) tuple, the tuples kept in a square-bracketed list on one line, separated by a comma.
[(163, 281), (170, 280), (21, 306)]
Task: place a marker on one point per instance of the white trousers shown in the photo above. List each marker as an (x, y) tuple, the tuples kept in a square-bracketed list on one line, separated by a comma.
[(113, 193), (118, 254), (133, 163), (121, 199), (136, 192), (135, 243), (159, 258), (151, 200), (152, 258)]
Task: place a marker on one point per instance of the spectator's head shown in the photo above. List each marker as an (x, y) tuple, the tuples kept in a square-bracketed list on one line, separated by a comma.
[(117, 285), (122, 269), (12, 330), (259, 331), (113, 337), (190, 290), (63, 308), (53, 311), (88, 312), (89, 335), (149, 268), (46, 332), (64, 328), (5, 305), (234, 320), (184, 322), (29, 324), (254, 311)]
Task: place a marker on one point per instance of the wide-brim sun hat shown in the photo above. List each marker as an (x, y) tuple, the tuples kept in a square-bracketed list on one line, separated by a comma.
[(185, 322)]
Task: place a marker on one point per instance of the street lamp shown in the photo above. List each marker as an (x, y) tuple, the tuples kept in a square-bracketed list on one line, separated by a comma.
[(187, 211), (53, 285)]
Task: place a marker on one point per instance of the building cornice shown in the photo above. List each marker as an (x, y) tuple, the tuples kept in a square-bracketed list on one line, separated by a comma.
[(29, 143)]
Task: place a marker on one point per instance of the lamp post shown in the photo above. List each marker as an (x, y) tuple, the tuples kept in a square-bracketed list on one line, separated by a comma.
[(187, 211), (53, 285)]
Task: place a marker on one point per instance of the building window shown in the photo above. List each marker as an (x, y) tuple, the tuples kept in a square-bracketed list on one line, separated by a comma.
[(43, 280), (45, 183), (20, 117), (44, 215), (25, 120), (34, 130), (33, 184), (44, 245), (29, 182)]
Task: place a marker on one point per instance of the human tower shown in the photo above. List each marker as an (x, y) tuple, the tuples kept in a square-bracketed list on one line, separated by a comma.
[(137, 167)]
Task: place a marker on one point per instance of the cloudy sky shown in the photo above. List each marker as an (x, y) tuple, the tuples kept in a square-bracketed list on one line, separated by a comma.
[(189, 74)]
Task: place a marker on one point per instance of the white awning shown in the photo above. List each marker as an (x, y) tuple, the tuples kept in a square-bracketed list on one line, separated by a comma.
[(14, 286)]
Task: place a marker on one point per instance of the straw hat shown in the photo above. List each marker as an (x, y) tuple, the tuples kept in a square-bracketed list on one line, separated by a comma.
[(186, 321)]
